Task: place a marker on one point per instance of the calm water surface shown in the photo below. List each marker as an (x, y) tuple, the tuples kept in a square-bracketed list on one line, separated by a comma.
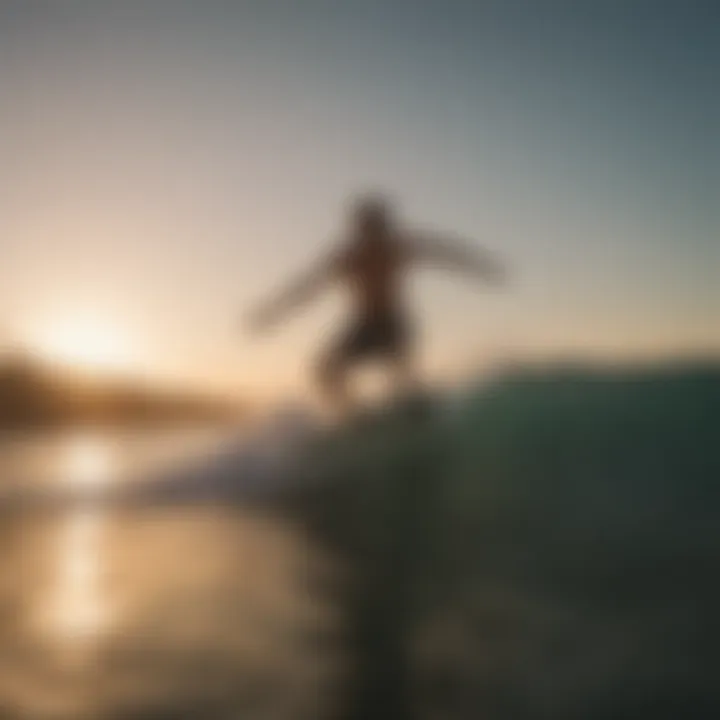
[(154, 611)]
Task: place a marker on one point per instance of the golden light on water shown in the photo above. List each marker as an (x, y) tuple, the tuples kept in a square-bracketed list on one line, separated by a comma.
[(75, 607), (87, 462)]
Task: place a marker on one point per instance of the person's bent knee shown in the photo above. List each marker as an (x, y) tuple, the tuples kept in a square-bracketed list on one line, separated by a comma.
[(328, 372)]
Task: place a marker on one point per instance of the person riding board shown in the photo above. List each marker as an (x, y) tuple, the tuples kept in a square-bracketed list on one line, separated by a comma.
[(371, 262)]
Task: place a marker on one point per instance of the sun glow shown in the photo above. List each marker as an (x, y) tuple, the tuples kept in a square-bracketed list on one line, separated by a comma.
[(85, 342)]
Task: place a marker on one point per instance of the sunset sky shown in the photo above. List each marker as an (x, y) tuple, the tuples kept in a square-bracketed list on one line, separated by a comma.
[(165, 164)]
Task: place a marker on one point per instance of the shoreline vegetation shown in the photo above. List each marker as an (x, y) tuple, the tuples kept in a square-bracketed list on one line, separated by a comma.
[(37, 396)]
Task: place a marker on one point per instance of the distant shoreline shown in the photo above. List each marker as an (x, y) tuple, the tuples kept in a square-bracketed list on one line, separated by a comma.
[(36, 397)]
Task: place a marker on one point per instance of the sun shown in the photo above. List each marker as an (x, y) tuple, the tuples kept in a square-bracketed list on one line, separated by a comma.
[(85, 342)]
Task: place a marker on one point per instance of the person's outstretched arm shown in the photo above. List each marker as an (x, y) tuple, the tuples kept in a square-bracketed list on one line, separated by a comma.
[(302, 290), (459, 256)]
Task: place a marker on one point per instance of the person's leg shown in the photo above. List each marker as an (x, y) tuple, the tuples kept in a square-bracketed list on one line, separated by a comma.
[(332, 380), (402, 360), (404, 374), (334, 365), (409, 393)]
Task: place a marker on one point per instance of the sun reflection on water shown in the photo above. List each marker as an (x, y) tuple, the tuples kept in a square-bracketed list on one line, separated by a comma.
[(161, 608), (75, 608), (87, 462)]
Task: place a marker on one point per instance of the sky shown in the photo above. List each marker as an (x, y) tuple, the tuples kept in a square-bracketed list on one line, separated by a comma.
[(164, 165)]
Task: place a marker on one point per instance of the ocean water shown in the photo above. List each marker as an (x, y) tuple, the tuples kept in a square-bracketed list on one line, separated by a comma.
[(543, 546), (150, 609)]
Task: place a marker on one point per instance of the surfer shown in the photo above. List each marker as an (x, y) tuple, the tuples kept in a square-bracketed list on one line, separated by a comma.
[(371, 264)]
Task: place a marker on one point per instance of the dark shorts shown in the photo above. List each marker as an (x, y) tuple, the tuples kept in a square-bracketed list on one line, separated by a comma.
[(387, 336)]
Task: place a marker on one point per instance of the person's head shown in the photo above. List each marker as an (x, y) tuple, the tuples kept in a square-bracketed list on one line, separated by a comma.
[(371, 216)]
